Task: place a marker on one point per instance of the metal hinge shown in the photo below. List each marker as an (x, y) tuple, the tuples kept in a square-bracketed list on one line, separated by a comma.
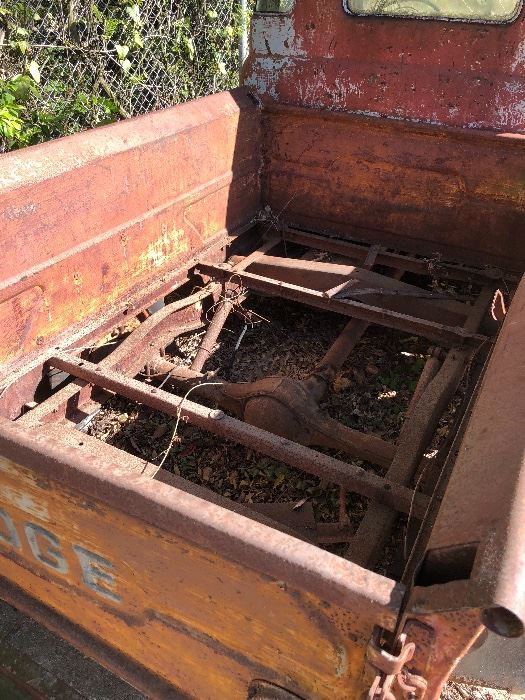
[(393, 681)]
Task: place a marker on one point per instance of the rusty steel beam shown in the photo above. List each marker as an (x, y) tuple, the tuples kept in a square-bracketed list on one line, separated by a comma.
[(421, 266), (158, 330), (430, 370), (370, 538), (333, 533), (326, 369), (129, 357), (443, 335), (363, 285), (225, 307), (416, 433), (340, 350), (354, 478), (212, 333)]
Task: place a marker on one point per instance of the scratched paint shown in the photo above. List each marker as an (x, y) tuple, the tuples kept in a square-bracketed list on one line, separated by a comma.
[(276, 36), (48, 549), (425, 71), (157, 597), (169, 244), (22, 500), (518, 64)]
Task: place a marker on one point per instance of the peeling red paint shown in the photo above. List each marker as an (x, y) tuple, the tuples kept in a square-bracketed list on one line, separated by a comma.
[(447, 73)]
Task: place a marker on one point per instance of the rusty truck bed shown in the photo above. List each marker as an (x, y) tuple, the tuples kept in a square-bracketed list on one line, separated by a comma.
[(119, 240)]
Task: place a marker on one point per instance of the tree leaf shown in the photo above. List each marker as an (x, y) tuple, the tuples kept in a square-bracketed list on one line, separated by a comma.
[(278, 479), (97, 14), (190, 46), (22, 46), (134, 13), (34, 71), (126, 65), (122, 51)]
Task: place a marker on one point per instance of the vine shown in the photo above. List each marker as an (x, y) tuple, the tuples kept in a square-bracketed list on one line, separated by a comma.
[(67, 65)]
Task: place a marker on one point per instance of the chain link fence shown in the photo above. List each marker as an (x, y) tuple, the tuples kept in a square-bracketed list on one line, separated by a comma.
[(67, 65)]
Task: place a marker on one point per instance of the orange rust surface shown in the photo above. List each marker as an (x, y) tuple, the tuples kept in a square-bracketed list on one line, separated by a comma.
[(206, 624), (86, 219), (426, 189)]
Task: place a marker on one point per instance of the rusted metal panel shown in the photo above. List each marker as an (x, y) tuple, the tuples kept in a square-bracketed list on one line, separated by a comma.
[(217, 602), (483, 507), (86, 219), (460, 74), (440, 193)]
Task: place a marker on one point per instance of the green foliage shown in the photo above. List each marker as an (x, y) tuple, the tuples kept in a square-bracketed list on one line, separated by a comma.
[(14, 96), (66, 66), (24, 122)]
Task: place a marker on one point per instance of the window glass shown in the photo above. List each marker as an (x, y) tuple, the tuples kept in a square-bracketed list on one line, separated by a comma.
[(468, 10)]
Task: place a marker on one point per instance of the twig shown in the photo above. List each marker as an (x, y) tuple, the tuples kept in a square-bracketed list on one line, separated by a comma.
[(105, 86)]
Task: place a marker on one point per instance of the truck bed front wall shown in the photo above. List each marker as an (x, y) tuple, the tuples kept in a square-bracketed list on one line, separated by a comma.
[(434, 191), (205, 599), (89, 218)]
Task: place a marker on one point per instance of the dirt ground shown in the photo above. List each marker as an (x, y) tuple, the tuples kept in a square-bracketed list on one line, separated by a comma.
[(460, 691)]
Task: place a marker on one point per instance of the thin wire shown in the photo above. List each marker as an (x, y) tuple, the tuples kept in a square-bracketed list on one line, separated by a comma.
[(174, 435), (239, 341), (414, 493)]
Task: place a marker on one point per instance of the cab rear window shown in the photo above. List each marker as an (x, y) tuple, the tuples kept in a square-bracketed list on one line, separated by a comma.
[(496, 11)]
